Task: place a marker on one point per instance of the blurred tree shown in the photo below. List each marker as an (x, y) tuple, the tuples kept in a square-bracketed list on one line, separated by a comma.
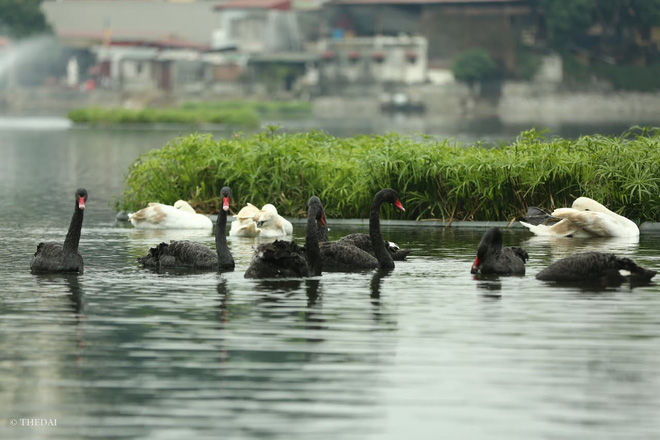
[(474, 66), (618, 24), (21, 18), (565, 20)]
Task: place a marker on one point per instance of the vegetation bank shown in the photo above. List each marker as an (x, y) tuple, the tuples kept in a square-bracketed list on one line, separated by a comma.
[(435, 179)]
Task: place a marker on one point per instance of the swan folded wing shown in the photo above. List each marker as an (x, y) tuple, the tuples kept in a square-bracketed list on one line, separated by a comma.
[(188, 254), (50, 257), (47, 258), (520, 253), (597, 223), (278, 259), (158, 216), (344, 258), (153, 214), (563, 228), (286, 225), (593, 266), (244, 229), (247, 212)]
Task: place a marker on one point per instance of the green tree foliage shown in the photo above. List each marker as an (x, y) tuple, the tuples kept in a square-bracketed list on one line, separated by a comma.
[(21, 18), (623, 20), (474, 66), (565, 20)]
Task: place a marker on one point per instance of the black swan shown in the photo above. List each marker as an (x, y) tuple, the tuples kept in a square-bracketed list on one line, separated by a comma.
[(53, 257), (363, 241), (189, 255), (285, 259), (595, 267), (492, 258), (342, 257)]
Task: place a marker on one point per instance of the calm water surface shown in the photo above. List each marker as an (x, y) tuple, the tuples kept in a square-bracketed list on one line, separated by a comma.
[(425, 351)]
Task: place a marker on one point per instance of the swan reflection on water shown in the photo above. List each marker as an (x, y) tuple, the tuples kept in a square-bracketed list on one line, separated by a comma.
[(312, 291), (491, 283), (565, 246), (76, 294), (376, 282), (168, 234), (54, 281)]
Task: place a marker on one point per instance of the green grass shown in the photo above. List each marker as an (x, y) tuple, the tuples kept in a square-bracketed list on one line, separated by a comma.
[(233, 112), (435, 179), (263, 108)]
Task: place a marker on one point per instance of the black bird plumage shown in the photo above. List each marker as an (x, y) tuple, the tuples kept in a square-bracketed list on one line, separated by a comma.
[(494, 259), (345, 257), (52, 257), (285, 259), (595, 268), (188, 255)]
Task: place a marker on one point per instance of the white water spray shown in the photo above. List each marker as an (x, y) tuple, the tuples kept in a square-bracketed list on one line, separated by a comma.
[(20, 51)]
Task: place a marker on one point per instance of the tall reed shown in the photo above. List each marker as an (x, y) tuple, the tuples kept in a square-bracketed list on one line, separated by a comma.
[(436, 179)]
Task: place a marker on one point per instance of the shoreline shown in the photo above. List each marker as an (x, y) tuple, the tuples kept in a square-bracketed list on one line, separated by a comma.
[(644, 228)]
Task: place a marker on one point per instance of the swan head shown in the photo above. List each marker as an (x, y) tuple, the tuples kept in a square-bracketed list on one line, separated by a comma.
[(264, 218), (491, 242), (81, 198), (587, 204), (225, 192), (391, 196), (182, 205), (316, 207)]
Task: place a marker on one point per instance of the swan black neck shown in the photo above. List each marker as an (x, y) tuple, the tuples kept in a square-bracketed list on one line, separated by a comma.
[(225, 260), (73, 235), (312, 250), (384, 258)]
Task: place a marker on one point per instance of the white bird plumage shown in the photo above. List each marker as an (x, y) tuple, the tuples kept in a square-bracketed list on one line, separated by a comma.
[(586, 218), (160, 216), (265, 222)]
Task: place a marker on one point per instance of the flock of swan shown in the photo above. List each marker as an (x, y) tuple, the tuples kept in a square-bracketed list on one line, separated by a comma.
[(354, 252)]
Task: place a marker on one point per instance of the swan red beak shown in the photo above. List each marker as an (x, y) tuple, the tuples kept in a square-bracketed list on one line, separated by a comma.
[(399, 205), (81, 203), (322, 221), (475, 266), (225, 203)]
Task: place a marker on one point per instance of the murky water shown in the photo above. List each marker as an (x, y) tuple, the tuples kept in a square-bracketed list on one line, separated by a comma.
[(425, 351)]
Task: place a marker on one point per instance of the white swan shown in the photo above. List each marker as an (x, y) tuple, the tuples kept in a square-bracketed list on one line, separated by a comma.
[(264, 222), (586, 218), (244, 224), (271, 223), (160, 216)]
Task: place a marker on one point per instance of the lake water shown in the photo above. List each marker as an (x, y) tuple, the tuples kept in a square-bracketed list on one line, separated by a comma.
[(422, 352)]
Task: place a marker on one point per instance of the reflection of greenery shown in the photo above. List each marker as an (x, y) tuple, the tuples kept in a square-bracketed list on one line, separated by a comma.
[(263, 108), (474, 66), (625, 77), (630, 77), (233, 112), (434, 179), (95, 115), (22, 18)]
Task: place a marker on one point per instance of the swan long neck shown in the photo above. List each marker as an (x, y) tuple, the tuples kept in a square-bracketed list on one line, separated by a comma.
[(384, 258), (73, 235), (312, 250), (224, 256)]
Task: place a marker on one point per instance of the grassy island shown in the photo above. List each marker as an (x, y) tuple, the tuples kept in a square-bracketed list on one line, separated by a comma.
[(234, 112), (435, 179)]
